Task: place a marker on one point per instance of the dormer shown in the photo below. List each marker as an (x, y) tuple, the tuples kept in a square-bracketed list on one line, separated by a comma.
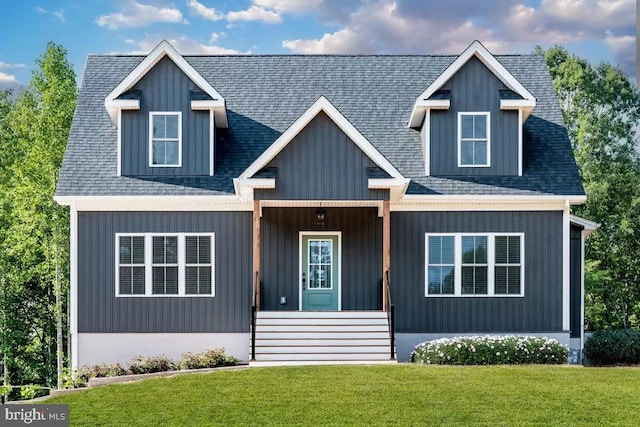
[(166, 114), (471, 118)]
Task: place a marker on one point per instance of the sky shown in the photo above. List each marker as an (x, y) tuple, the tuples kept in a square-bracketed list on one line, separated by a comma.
[(598, 30)]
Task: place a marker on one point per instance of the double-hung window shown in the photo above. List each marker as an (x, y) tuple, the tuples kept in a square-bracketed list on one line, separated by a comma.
[(171, 264), (474, 264), (165, 139), (474, 139)]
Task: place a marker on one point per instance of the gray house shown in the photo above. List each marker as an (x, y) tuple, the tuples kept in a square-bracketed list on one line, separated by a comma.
[(318, 209)]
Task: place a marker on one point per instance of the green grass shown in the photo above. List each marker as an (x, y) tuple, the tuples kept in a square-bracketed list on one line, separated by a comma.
[(370, 395)]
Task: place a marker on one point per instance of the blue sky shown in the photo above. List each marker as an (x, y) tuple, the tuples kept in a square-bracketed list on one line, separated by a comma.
[(594, 29)]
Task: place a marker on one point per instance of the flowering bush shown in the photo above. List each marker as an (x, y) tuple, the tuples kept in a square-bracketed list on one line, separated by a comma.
[(490, 350)]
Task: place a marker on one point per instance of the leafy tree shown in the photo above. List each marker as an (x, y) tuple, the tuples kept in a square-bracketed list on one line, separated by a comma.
[(602, 110), (34, 227)]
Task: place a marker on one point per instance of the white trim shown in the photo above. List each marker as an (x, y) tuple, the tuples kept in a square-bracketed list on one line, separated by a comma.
[(377, 183), (520, 143), (322, 104), (163, 49), (426, 135), (125, 104), (73, 285), (206, 104), (212, 153), (264, 183), (573, 199), (301, 235), (517, 104), (566, 260), (589, 226), (583, 236), (435, 104), (148, 264), (459, 138), (165, 113), (479, 51), (119, 141), (491, 264)]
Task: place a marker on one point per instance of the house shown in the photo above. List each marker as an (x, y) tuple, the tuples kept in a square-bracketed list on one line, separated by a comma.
[(318, 209)]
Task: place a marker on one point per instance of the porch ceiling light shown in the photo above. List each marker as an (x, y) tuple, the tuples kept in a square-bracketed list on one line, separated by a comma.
[(321, 216)]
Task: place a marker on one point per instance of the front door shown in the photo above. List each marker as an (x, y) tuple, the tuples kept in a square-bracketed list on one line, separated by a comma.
[(320, 271)]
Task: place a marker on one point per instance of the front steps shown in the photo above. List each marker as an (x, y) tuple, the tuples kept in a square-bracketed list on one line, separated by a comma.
[(321, 337)]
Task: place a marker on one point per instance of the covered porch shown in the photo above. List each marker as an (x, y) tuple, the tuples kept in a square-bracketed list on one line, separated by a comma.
[(321, 291)]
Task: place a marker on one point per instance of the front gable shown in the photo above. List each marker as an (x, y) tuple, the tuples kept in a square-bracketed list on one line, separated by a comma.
[(321, 163), (165, 88), (165, 113), (321, 156), (471, 118)]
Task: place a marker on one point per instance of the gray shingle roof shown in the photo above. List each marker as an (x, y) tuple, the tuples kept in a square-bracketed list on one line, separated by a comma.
[(266, 94)]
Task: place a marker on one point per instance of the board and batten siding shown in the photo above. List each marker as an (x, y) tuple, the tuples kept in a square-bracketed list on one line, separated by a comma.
[(100, 311), (361, 248), (321, 163), (474, 88), (165, 88), (575, 280), (540, 310)]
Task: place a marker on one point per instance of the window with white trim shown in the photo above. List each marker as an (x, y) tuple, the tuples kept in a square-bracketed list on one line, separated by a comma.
[(198, 265), (441, 265), (164, 267), (474, 264), (168, 264), (165, 139), (131, 265), (473, 139), (508, 273)]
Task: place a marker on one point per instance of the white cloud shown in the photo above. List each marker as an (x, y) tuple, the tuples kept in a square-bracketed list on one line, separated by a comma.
[(57, 13), (255, 13), (380, 27), (138, 15), (7, 66), (215, 37), (8, 78), (199, 9), (183, 44), (289, 6), (624, 51)]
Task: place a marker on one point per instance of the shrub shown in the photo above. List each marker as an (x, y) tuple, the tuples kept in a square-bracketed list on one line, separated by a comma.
[(206, 359), (81, 378), (149, 365), (615, 347), (490, 350)]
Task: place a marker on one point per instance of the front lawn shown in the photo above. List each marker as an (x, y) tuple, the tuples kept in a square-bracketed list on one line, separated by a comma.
[(365, 395)]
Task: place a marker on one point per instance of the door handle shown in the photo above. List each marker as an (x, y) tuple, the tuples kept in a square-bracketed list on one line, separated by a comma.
[(303, 281)]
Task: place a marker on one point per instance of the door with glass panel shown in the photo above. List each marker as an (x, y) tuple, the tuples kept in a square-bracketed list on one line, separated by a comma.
[(319, 272)]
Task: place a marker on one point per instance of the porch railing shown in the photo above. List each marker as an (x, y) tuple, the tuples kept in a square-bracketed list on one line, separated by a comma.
[(254, 313), (391, 313)]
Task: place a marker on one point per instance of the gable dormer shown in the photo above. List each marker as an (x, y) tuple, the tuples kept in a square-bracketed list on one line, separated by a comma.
[(166, 114), (471, 118)]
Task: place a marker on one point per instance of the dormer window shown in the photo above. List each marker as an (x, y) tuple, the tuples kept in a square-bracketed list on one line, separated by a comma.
[(473, 139), (165, 139)]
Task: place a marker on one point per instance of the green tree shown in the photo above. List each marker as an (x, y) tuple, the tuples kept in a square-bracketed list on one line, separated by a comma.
[(34, 227), (602, 110)]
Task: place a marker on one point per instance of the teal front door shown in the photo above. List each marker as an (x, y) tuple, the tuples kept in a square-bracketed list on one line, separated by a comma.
[(320, 271)]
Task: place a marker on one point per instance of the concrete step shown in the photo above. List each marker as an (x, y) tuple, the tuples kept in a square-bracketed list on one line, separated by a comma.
[(322, 356), (320, 321), (321, 328), (332, 340), (324, 334), (317, 350)]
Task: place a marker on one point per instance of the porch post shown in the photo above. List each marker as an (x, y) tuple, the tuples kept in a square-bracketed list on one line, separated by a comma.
[(256, 252), (386, 251)]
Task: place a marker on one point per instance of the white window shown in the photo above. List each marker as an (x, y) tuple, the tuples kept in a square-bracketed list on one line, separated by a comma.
[(474, 264), (473, 139), (165, 139), (169, 264)]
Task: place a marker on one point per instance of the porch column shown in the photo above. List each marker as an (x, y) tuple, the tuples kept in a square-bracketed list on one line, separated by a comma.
[(256, 252), (386, 251)]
